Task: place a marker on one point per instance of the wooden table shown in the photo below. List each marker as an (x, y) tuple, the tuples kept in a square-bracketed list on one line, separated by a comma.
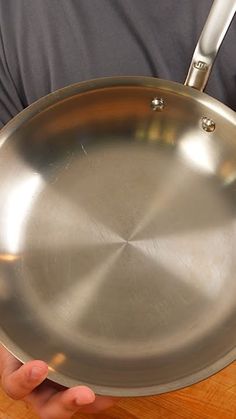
[(214, 398)]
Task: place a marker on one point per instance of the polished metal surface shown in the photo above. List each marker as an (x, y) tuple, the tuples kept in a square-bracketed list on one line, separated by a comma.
[(217, 24), (118, 235)]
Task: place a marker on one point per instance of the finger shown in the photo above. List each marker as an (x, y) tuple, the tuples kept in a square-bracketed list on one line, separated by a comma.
[(18, 382), (100, 404), (39, 396), (65, 403), (8, 361)]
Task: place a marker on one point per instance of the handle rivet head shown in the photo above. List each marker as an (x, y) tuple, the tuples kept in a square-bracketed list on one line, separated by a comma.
[(157, 104), (208, 124)]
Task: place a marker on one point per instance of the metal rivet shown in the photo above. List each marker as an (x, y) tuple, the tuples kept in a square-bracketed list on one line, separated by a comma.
[(208, 124), (157, 104)]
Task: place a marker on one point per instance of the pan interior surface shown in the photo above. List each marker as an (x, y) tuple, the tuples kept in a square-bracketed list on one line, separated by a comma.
[(117, 245)]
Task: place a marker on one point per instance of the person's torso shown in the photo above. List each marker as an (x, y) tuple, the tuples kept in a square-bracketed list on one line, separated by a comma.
[(51, 44)]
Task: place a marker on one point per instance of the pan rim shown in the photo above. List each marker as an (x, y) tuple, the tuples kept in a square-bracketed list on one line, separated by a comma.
[(45, 102), (114, 391), (63, 94)]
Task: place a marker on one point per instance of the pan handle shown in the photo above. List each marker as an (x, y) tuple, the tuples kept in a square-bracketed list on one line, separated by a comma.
[(216, 26)]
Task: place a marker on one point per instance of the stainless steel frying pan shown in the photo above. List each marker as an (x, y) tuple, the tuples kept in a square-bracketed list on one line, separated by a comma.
[(118, 230)]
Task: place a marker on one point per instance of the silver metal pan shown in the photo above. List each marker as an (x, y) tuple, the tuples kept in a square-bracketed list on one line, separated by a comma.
[(118, 230)]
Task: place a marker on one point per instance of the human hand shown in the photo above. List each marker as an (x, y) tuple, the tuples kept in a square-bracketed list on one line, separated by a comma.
[(28, 382)]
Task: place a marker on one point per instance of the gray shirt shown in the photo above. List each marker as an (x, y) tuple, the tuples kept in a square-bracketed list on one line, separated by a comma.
[(48, 44)]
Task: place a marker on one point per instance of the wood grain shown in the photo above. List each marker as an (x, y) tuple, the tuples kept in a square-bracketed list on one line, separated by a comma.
[(214, 398)]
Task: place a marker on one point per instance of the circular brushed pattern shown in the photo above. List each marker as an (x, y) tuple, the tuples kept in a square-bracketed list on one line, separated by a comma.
[(118, 239)]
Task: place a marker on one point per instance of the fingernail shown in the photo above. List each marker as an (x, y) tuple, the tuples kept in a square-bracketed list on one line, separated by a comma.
[(84, 399), (36, 373)]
